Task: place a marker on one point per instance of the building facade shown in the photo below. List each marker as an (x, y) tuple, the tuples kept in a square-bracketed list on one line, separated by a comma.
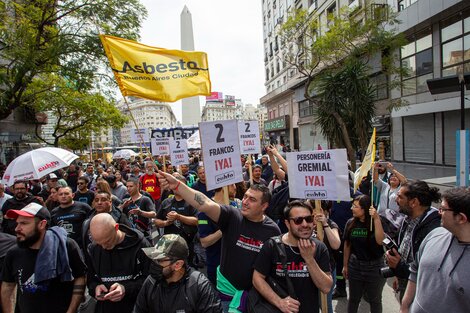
[(423, 130), (220, 110), (148, 115)]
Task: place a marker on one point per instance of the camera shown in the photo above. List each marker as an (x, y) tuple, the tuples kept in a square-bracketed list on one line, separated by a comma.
[(389, 244)]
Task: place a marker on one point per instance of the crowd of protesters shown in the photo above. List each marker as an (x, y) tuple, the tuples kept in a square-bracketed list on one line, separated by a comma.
[(143, 235)]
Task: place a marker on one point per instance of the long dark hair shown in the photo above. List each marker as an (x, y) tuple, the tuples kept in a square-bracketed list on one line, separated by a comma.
[(365, 203)]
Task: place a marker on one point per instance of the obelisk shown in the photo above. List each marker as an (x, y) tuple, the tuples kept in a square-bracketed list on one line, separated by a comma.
[(191, 110)]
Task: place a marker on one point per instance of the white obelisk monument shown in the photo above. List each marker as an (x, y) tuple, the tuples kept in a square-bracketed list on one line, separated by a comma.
[(191, 110)]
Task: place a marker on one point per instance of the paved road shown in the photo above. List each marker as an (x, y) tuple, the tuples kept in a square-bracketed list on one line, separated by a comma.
[(389, 302)]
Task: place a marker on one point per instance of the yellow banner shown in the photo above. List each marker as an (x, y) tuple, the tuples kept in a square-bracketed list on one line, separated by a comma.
[(156, 73), (367, 163)]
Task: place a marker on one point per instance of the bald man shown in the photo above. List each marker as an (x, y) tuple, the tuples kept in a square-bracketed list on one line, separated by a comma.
[(117, 265)]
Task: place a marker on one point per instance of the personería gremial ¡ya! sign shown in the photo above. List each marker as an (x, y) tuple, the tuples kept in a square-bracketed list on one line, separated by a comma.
[(221, 151), (249, 137), (320, 175), (160, 146), (179, 152)]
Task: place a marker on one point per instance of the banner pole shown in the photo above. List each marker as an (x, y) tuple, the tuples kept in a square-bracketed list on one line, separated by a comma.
[(372, 193), (142, 142), (320, 236), (250, 169)]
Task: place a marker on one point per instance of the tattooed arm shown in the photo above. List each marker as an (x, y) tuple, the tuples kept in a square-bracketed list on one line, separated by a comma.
[(194, 198)]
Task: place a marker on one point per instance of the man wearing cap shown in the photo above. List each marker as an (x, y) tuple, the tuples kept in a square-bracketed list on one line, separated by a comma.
[(70, 214), (243, 234), (117, 265), (20, 199), (46, 268), (180, 288), (51, 182)]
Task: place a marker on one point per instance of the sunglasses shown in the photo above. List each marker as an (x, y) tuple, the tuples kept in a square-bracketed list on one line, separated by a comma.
[(299, 220)]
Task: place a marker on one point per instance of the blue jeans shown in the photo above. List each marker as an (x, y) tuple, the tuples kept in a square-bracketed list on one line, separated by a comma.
[(329, 297)]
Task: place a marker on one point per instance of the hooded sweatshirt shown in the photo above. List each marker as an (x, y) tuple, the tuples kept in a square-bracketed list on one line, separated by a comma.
[(125, 264)]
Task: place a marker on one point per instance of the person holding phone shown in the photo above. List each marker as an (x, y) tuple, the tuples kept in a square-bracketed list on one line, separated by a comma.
[(363, 255)]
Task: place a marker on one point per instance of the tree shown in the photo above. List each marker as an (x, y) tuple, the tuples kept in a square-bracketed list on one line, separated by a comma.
[(334, 65), (78, 113), (44, 37)]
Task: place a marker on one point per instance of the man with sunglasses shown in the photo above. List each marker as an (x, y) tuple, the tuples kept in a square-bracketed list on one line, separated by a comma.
[(180, 288), (307, 259), (83, 194), (439, 280), (243, 234)]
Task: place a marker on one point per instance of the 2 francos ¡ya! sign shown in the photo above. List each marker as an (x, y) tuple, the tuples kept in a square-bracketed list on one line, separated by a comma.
[(220, 147), (320, 175), (160, 146), (179, 151), (249, 137)]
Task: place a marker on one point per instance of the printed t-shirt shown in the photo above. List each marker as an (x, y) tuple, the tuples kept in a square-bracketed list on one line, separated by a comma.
[(71, 219)]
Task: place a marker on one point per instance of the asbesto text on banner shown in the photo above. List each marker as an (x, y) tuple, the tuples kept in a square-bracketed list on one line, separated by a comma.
[(157, 73)]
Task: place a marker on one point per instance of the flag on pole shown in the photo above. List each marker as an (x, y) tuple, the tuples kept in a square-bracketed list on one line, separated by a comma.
[(157, 73), (367, 162)]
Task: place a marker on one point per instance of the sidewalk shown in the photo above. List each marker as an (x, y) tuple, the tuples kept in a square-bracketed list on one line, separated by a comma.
[(442, 177)]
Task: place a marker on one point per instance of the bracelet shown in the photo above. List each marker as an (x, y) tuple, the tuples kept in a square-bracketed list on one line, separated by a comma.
[(177, 186)]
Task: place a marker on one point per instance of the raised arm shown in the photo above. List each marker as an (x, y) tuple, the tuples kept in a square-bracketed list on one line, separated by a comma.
[(281, 174), (194, 198), (399, 175)]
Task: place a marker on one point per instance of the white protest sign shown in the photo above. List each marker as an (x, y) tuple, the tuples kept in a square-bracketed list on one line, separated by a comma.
[(220, 147), (320, 175), (179, 152), (249, 137), (160, 146), (139, 135)]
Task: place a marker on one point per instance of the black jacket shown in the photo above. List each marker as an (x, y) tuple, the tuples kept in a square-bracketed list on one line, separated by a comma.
[(125, 264), (192, 294), (9, 225), (428, 221)]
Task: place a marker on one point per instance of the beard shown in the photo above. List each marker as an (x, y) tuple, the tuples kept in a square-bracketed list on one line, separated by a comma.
[(150, 172), (405, 210), (305, 234), (29, 241)]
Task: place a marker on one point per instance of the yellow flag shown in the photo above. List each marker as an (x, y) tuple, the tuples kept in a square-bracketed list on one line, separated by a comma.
[(156, 73), (367, 163)]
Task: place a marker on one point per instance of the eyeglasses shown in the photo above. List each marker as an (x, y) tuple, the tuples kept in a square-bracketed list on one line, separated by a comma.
[(299, 220), (441, 209)]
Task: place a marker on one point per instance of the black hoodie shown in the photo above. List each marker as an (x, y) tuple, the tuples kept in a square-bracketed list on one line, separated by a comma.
[(125, 264), (9, 225)]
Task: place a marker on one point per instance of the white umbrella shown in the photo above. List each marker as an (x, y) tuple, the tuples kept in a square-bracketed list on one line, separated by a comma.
[(37, 163), (124, 154), (194, 142)]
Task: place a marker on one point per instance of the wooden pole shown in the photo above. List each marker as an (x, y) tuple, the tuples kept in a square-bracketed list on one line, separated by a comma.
[(164, 163), (320, 236), (226, 199), (250, 170)]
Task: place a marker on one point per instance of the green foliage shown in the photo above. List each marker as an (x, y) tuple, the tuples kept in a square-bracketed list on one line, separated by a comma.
[(44, 37), (333, 59), (78, 113)]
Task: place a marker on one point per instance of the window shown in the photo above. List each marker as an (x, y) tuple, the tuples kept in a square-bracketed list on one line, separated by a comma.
[(455, 44), (380, 82), (305, 108), (403, 4), (416, 57)]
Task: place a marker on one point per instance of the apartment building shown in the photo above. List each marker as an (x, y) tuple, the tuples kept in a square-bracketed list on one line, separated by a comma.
[(423, 131)]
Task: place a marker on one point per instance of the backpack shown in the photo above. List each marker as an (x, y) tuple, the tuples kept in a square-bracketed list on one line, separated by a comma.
[(279, 200)]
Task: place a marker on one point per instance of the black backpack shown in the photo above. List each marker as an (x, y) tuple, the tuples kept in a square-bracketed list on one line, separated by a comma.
[(279, 200)]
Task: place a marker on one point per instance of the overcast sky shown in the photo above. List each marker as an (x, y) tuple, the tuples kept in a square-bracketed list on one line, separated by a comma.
[(231, 34)]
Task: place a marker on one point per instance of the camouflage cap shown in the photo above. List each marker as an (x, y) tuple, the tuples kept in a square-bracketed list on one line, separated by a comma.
[(168, 246)]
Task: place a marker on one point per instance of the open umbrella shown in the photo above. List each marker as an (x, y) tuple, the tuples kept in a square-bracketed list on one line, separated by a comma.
[(124, 154), (37, 163)]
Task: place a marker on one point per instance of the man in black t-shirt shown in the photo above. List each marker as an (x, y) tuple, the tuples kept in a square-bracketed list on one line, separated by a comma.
[(70, 215), (138, 208), (243, 234), (308, 263), (83, 194), (27, 267)]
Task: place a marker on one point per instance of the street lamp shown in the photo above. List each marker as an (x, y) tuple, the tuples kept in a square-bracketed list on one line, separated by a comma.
[(452, 84)]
